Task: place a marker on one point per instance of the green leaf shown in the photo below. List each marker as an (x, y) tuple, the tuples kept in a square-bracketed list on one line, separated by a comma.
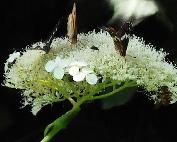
[(119, 98)]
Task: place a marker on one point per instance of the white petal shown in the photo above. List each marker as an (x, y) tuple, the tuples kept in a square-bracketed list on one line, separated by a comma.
[(86, 70), (58, 73), (91, 79), (64, 63), (50, 65), (80, 64), (57, 60), (13, 56), (74, 70), (79, 77)]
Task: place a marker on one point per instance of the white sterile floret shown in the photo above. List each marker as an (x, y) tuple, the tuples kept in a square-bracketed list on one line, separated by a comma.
[(50, 65), (79, 77), (62, 62), (91, 78), (57, 67), (58, 73), (73, 70), (79, 71), (86, 70)]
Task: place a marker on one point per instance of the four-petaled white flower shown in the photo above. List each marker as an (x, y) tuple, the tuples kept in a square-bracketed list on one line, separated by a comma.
[(57, 66), (80, 71)]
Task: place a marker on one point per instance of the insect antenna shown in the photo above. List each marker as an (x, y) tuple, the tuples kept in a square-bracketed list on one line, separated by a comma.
[(49, 40)]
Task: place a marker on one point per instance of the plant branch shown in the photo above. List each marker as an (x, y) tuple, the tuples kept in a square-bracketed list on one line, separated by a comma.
[(60, 123), (126, 85)]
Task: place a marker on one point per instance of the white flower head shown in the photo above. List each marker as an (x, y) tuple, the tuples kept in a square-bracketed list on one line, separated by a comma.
[(142, 64)]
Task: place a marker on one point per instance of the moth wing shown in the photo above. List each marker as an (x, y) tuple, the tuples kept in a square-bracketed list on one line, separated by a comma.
[(72, 25)]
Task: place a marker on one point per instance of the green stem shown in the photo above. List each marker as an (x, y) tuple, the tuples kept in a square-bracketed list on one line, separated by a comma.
[(60, 123), (71, 101), (108, 94), (63, 121), (126, 85)]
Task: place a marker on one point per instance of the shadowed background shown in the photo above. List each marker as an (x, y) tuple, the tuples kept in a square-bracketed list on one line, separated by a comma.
[(29, 21)]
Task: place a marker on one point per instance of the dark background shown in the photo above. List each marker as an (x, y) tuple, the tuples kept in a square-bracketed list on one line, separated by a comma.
[(29, 21)]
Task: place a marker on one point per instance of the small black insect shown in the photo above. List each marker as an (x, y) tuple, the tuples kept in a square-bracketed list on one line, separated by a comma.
[(100, 78), (94, 48)]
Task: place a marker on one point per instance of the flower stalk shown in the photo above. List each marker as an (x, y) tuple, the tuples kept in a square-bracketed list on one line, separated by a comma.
[(60, 123), (63, 121)]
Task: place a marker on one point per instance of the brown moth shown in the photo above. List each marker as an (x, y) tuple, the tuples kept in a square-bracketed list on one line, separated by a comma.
[(165, 96), (121, 37), (72, 25)]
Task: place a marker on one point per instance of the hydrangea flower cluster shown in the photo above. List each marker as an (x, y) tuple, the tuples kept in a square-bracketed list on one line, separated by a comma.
[(78, 73), (42, 75), (85, 67)]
